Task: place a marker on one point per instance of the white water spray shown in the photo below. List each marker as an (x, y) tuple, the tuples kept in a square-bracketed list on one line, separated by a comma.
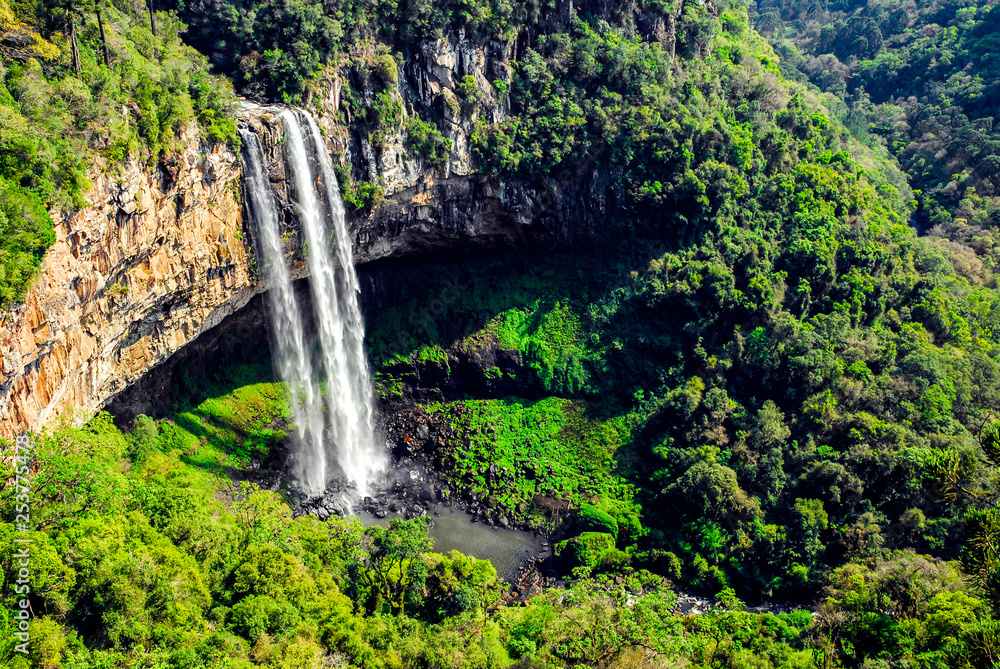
[(360, 454), (335, 297), (291, 355)]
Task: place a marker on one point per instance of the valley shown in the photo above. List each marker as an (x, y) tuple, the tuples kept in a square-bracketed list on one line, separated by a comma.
[(476, 334)]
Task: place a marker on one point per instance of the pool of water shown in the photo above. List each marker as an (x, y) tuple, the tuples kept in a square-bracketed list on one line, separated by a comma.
[(454, 529)]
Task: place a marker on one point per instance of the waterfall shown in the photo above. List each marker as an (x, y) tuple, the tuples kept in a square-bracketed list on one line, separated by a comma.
[(360, 457), (290, 353), (335, 299)]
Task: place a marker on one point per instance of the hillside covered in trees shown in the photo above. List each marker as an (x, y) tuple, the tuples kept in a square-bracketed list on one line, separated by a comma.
[(772, 375), (920, 79)]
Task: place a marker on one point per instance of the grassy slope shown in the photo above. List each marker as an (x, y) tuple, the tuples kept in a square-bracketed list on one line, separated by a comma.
[(545, 420)]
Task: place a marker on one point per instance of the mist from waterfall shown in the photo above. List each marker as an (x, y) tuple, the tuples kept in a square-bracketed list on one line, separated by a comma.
[(291, 355), (334, 284)]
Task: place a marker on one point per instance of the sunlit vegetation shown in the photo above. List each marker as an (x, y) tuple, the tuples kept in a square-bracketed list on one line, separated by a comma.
[(922, 81), (547, 448), (75, 94), (762, 385), (143, 557), (146, 552)]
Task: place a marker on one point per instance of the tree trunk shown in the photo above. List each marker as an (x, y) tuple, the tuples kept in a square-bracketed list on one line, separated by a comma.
[(75, 45), (152, 18), (104, 38)]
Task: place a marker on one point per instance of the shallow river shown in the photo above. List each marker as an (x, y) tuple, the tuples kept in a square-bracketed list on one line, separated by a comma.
[(454, 530)]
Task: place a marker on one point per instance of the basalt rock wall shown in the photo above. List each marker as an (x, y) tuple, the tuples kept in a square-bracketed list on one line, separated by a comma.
[(162, 256), (158, 257)]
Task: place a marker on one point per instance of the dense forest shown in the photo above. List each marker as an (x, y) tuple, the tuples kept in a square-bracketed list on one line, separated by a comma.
[(919, 79), (776, 378)]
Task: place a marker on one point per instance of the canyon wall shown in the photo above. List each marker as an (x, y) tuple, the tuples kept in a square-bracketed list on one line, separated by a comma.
[(163, 255), (156, 259)]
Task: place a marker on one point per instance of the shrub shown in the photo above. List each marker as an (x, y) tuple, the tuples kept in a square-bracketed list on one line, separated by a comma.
[(144, 440), (261, 614), (358, 196), (26, 232), (428, 141), (591, 519), (585, 552)]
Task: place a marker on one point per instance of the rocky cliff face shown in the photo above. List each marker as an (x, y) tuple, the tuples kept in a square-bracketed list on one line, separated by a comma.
[(158, 258), (434, 206), (162, 256)]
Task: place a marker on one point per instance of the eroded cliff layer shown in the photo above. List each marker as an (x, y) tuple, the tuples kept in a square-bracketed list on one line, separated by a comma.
[(158, 258)]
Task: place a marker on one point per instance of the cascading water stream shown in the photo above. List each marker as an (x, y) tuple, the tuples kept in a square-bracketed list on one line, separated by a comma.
[(290, 354), (360, 455), (335, 298)]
